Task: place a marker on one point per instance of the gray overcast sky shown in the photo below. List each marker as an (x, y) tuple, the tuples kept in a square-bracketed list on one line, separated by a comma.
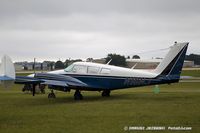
[(53, 29)]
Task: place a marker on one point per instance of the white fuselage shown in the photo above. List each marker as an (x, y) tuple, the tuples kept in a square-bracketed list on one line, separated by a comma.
[(106, 70)]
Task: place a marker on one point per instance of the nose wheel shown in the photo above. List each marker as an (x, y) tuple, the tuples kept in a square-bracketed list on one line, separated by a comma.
[(78, 95), (52, 95)]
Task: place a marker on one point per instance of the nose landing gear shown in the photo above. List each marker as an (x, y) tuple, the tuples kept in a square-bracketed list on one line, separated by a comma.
[(52, 95)]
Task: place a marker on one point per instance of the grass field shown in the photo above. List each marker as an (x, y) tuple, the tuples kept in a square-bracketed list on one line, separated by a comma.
[(175, 105), (194, 73)]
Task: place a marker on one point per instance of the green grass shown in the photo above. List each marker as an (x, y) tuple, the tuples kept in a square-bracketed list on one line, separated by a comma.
[(193, 73), (175, 105), (24, 74)]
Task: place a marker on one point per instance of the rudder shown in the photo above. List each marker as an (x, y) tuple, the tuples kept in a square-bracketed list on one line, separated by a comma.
[(172, 64)]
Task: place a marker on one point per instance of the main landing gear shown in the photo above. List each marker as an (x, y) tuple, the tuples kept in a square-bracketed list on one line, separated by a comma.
[(105, 93), (52, 95), (78, 95)]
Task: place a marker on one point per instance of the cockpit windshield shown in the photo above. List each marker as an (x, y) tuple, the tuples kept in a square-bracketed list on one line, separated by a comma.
[(69, 68)]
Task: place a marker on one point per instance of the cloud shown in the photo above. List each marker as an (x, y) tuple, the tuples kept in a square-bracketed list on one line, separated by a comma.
[(52, 29), (64, 7)]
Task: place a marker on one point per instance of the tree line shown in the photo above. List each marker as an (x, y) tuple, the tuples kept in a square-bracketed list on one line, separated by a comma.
[(113, 59)]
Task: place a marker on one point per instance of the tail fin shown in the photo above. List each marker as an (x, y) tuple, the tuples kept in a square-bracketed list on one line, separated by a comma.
[(7, 69), (172, 64)]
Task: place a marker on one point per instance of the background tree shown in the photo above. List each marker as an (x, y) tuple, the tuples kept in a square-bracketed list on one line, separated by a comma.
[(117, 60), (89, 59), (51, 64), (69, 62), (59, 65), (136, 57), (193, 57), (76, 60), (25, 68)]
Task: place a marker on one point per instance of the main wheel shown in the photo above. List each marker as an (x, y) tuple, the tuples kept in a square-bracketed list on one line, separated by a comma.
[(78, 95), (106, 93), (42, 88)]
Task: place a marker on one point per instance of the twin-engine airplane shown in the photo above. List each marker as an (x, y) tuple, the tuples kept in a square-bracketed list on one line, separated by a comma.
[(100, 77)]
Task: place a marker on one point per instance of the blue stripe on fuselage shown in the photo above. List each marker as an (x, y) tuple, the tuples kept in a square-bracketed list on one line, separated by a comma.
[(98, 82)]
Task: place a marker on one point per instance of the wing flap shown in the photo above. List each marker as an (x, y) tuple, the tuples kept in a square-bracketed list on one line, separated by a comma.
[(55, 83), (60, 79)]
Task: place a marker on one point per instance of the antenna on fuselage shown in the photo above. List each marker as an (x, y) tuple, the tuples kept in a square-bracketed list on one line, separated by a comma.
[(109, 62)]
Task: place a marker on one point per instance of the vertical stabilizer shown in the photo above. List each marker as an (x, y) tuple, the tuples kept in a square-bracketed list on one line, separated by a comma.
[(7, 69), (172, 64)]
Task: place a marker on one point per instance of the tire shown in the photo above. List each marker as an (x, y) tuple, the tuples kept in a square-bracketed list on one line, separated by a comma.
[(78, 96), (51, 95), (105, 93)]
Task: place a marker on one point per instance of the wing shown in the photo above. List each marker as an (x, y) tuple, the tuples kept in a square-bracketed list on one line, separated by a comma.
[(51, 79), (27, 80), (60, 80)]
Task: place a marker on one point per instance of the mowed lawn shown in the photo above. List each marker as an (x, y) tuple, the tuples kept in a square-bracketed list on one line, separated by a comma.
[(193, 73), (175, 105)]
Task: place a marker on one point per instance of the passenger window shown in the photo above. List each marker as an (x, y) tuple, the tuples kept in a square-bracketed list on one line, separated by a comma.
[(93, 70), (80, 69), (105, 71)]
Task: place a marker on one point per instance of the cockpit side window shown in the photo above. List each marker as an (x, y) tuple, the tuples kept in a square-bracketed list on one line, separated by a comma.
[(93, 70), (79, 69), (69, 68), (105, 71)]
